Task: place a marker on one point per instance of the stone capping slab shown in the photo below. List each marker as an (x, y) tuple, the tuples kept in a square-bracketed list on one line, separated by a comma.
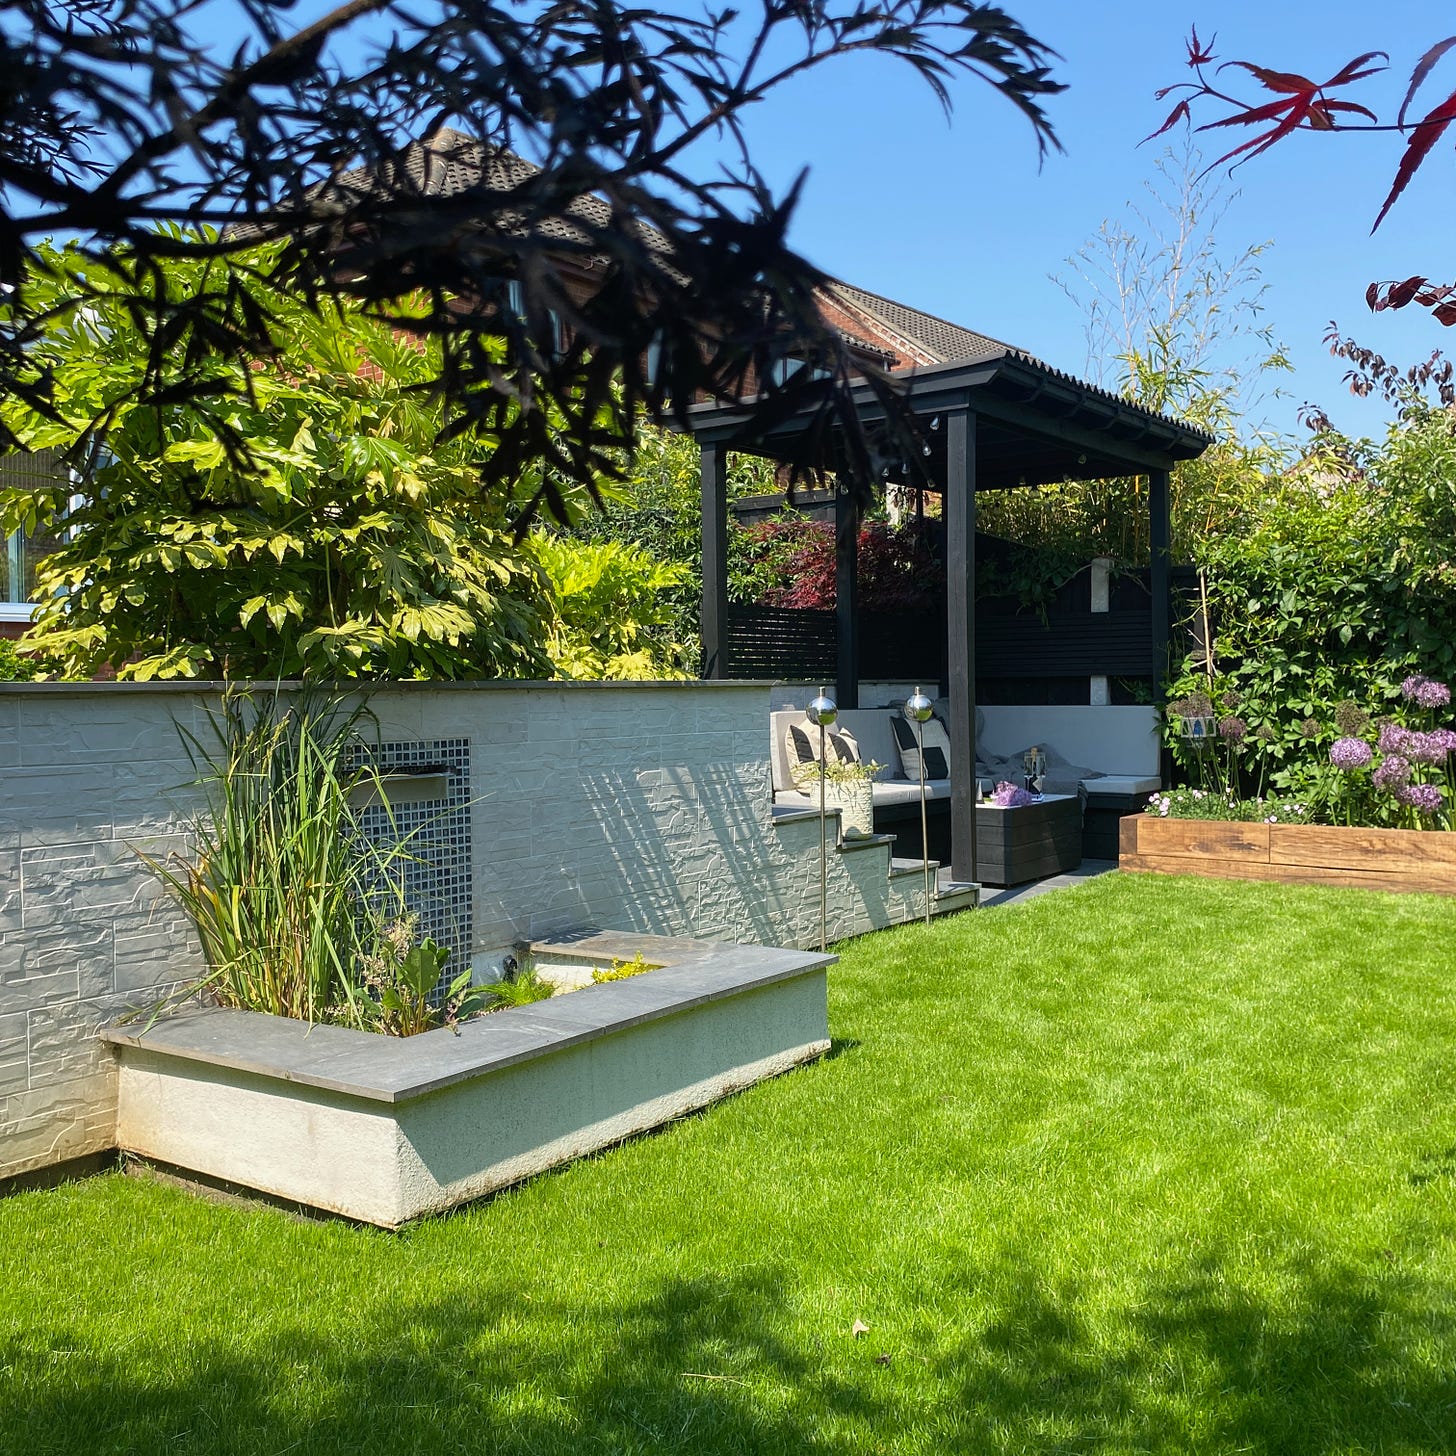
[(390, 1069), (660, 951), (197, 687), (864, 841)]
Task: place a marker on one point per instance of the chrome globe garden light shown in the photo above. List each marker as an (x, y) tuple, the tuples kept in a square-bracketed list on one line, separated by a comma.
[(823, 712), (918, 709)]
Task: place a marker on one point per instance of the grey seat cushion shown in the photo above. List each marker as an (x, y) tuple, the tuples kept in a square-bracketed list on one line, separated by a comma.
[(885, 795)]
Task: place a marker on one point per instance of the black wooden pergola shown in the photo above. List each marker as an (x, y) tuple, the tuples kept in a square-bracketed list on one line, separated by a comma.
[(989, 424)]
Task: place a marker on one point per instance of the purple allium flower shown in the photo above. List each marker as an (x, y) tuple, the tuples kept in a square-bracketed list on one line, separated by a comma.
[(1310, 727), (1425, 692), (1011, 796), (1350, 753), (1195, 705), (1395, 740), (1394, 773), (1432, 747), (1423, 798), (1235, 730), (1233, 699), (1442, 740)]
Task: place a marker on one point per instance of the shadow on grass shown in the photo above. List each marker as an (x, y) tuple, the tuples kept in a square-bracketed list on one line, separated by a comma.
[(1331, 1365), (715, 1364), (1434, 1168)]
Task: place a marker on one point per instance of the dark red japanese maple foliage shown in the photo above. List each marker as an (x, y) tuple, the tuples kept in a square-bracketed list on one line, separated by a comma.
[(899, 567), (1302, 104)]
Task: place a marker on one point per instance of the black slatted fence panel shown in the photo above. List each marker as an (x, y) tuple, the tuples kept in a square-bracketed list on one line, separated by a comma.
[(896, 646), (1116, 643), (780, 642)]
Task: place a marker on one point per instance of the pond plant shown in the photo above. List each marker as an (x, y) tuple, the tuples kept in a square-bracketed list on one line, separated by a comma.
[(300, 912)]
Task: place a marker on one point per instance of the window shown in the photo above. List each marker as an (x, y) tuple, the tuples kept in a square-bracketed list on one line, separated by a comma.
[(22, 553)]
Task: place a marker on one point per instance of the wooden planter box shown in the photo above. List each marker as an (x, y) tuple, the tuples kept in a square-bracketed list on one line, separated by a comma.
[(1295, 854), (386, 1129)]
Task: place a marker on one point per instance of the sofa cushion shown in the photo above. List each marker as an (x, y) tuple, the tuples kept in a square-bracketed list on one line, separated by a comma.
[(867, 729), (1123, 784), (802, 743), (937, 747), (884, 795)]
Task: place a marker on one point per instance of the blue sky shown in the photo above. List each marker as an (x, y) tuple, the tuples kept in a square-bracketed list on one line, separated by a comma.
[(958, 220)]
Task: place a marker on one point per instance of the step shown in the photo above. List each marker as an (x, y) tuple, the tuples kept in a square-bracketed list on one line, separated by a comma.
[(605, 946), (949, 894)]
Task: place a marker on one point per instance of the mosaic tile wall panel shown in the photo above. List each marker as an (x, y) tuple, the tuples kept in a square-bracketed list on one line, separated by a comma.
[(435, 868)]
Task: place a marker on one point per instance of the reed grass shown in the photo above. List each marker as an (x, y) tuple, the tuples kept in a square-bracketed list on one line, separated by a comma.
[(284, 887)]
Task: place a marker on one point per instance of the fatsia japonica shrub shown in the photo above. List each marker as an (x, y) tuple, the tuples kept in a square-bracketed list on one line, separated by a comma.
[(326, 523)]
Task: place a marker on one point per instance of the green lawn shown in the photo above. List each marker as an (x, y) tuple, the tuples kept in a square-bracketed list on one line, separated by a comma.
[(1149, 1165)]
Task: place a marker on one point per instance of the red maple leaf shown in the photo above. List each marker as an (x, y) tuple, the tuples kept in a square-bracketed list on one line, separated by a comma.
[(1440, 298), (1428, 131), (1304, 103), (1199, 54)]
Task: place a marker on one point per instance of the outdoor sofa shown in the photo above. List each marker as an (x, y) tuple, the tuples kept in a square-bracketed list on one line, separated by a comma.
[(1124, 740)]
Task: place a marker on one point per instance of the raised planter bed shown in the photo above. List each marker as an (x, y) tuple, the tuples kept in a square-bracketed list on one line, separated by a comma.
[(1296, 854), (384, 1130)]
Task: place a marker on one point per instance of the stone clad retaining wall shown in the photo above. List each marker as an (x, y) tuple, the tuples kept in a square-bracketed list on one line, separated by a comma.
[(639, 807)]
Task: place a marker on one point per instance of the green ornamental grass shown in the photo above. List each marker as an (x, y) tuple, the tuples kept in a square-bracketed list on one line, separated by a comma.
[(1150, 1165), (291, 898), (299, 908)]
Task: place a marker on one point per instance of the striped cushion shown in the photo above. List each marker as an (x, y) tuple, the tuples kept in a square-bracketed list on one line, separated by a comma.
[(801, 741), (937, 748)]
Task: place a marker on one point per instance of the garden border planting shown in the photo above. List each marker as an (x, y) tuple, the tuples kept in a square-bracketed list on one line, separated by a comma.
[(385, 1129), (1402, 860)]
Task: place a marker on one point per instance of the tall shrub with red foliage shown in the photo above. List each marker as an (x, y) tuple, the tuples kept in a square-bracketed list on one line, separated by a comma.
[(899, 569)]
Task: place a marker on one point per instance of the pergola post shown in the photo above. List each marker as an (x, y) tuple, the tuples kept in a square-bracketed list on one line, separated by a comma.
[(1160, 533), (715, 561), (960, 599), (846, 596)]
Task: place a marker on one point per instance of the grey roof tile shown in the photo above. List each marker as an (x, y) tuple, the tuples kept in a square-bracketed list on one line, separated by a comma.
[(943, 341)]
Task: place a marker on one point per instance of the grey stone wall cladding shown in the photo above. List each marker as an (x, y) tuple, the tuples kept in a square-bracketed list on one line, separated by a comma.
[(631, 807)]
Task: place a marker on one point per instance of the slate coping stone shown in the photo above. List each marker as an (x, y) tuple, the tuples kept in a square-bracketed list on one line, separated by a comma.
[(397, 1069)]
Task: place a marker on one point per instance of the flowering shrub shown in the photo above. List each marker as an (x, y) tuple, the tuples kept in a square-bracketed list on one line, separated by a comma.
[(1204, 804), (1398, 770)]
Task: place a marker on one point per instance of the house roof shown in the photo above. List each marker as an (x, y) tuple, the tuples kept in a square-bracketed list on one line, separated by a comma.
[(928, 339), (448, 163)]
